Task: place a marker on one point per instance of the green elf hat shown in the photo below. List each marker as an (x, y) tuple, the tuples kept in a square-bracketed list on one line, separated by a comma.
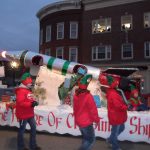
[(110, 80), (26, 78), (113, 82), (84, 82), (133, 89)]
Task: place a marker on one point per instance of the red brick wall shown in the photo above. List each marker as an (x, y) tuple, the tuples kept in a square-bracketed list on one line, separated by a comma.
[(138, 35)]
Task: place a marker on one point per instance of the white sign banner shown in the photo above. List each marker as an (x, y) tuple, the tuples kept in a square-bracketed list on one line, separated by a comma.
[(61, 120)]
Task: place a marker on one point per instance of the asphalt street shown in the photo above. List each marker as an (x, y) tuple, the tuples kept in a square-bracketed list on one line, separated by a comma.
[(47, 141)]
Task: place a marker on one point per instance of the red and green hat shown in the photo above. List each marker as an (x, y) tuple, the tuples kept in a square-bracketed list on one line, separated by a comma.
[(113, 82), (84, 82), (26, 78), (133, 89), (103, 79)]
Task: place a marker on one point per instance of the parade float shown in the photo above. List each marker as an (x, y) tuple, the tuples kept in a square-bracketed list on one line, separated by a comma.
[(54, 87)]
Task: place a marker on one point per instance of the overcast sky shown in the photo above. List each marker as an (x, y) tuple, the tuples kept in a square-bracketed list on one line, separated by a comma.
[(19, 26)]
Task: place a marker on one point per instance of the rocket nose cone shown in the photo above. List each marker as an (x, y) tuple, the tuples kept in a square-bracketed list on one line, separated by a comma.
[(3, 54)]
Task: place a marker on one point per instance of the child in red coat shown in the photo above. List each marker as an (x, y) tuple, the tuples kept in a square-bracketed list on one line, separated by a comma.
[(135, 100), (25, 104), (117, 112), (85, 113)]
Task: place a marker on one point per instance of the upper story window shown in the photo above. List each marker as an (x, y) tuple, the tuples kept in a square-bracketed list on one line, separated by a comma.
[(127, 51), (102, 52), (48, 33), (147, 49), (73, 54), (48, 51), (59, 52), (126, 22), (73, 30), (101, 25), (60, 30), (41, 36), (147, 20)]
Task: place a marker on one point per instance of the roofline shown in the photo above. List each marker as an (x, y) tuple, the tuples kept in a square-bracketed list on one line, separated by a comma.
[(76, 4), (96, 4), (58, 6)]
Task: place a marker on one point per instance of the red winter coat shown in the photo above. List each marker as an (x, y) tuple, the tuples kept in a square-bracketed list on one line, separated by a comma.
[(85, 110), (23, 103), (117, 110)]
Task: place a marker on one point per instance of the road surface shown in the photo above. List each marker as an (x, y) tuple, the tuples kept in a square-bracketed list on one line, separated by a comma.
[(8, 141)]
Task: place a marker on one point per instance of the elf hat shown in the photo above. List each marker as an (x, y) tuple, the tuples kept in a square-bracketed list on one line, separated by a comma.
[(134, 90), (103, 79), (84, 82), (26, 79), (113, 82)]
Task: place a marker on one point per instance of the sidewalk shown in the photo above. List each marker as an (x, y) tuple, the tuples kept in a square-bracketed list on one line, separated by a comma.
[(8, 140)]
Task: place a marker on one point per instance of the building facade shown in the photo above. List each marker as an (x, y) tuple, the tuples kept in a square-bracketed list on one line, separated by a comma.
[(101, 33)]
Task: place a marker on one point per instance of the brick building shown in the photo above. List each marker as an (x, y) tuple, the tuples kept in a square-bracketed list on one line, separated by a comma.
[(101, 33)]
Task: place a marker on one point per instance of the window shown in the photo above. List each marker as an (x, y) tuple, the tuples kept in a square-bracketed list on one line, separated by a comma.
[(48, 51), (60, 30), (73, 30), (48, 33), (73, 54), (147, 49), (101, 25), (41, 37), (102, 52), (59, 52), (147, 20), (127, 51), (126, 22)]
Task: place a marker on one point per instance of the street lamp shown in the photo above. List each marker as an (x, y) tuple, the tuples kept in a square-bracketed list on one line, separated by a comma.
[(14, 65)]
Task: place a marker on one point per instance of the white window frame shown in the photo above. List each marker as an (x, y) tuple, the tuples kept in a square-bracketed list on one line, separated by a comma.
[(48, 33), (125, 25), (147, 21), (60, 30), (48, 51), (122, 51), (76, 53), (73, 32), (145, 49), (104, 28), (95, 50), (62, 52), (41, 36)]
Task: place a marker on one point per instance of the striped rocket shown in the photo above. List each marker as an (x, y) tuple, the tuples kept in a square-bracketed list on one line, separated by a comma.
[(61, 66)]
